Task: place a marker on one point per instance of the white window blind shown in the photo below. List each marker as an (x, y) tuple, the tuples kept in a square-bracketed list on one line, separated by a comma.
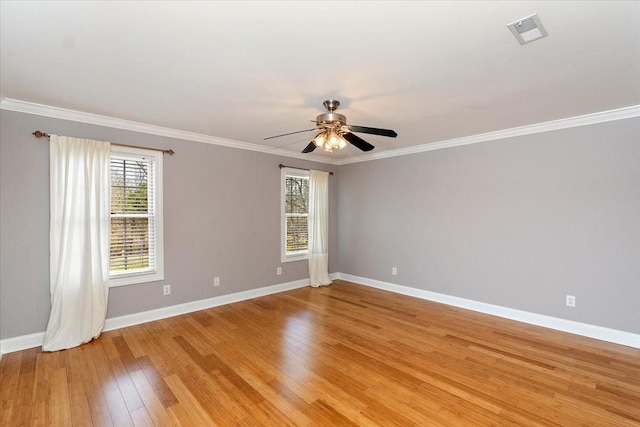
[(134, 246)]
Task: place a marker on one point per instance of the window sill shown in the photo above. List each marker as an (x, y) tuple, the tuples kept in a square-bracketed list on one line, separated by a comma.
[(134, 279), (296, 257)]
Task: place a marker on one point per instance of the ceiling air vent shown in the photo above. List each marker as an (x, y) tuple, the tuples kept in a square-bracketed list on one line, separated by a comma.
[(528, 29)]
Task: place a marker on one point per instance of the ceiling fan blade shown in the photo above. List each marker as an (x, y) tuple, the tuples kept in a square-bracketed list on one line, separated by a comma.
[(373, 131), (290, 133), (358, 142), (309, 148)]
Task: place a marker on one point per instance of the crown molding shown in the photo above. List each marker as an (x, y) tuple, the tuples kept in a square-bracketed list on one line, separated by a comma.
[(112, 122), (587, 119)]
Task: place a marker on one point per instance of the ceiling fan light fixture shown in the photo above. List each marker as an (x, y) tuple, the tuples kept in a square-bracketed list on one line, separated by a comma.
[(320, 139), (334, 140), (329, 140)]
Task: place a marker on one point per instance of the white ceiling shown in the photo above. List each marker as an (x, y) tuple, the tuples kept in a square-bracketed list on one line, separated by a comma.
[(242, 71)]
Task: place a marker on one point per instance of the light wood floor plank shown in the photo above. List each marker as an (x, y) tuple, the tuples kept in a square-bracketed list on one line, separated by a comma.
[(78, 402), (342, 355)]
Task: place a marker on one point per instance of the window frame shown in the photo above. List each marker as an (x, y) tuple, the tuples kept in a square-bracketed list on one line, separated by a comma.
[(298, 255), (155, 158)]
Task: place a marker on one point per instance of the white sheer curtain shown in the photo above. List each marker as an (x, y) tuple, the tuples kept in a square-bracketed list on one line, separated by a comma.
[(318, 228), (79, 241)]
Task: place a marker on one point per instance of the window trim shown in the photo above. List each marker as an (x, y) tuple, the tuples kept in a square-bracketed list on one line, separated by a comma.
[(299, 255), (157, 275)]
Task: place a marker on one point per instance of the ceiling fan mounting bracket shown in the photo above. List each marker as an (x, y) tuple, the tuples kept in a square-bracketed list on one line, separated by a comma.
[(331, 105)]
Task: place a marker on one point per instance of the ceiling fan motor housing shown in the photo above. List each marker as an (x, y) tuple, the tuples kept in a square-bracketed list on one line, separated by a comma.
[(331, 119)]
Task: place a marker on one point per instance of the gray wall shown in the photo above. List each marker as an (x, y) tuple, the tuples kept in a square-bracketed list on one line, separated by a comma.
[(221, 218), (519, 222)]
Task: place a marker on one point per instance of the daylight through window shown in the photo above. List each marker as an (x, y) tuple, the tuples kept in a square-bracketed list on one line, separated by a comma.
[(135, 247), (296, 215)]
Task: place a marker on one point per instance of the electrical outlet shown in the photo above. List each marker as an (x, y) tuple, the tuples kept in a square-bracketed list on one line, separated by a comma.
[(279, 271), (571, 301), (394, 271), (216, 281), (166, 290)]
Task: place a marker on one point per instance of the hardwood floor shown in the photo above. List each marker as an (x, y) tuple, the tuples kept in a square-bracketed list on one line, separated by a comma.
[(341, 355)]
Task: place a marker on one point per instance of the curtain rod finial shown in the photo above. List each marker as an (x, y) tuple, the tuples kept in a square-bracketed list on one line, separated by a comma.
[(39, 134)]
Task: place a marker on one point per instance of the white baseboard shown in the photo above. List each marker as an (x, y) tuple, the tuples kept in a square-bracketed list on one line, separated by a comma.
[(24, 342), (189, 307), (21, 343), (591, 331)]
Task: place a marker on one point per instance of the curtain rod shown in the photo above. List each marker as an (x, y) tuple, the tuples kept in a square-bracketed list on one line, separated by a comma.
[(39, 134), (293, 167)]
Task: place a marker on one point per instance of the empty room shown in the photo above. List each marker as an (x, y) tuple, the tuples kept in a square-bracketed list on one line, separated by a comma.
[(319, 213)]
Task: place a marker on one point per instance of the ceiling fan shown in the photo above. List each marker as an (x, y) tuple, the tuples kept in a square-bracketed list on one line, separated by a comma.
[(334, 133)]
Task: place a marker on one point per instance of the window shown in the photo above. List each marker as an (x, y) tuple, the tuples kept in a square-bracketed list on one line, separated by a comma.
[(136, 246), (295, 214)]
